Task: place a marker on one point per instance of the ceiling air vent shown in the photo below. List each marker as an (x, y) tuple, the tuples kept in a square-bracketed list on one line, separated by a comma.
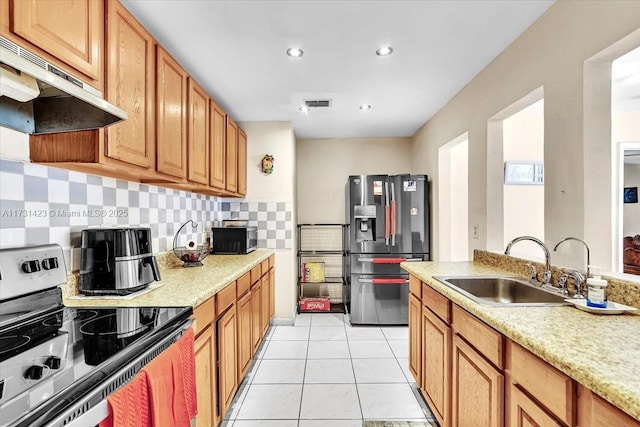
[(317, 103)]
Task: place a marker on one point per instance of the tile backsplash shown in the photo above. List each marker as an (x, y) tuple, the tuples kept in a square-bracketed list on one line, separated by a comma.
[(41, 204)]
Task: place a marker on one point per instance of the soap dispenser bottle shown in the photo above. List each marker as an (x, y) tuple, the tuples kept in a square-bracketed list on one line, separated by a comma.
[(596, 289)]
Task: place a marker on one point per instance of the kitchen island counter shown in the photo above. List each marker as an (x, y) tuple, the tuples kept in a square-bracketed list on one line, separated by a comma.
[(600, 352), (180, 286)]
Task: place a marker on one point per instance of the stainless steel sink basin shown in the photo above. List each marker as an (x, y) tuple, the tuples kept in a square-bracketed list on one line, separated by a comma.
[(502, 291)]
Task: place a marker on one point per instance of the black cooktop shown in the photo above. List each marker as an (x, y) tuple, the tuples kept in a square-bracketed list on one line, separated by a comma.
[(52, 359)]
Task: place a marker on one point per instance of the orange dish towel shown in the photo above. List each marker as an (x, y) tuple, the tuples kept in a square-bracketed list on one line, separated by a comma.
[(171, 384), (129, 405)]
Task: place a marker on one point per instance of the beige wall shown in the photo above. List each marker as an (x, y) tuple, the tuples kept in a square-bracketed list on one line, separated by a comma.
[(551, 54), (323, 166), (277, 139), (631, 211), (523, 139)]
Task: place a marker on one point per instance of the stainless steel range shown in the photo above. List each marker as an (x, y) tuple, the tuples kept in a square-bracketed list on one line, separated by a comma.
[(58, 364)]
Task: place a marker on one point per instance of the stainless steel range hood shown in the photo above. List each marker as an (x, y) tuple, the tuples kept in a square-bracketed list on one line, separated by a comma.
[(38, 98)]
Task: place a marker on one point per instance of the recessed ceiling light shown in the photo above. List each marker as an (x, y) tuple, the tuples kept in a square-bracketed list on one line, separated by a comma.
[(295, 52), (365, 107), (304, 108), (384, 51)]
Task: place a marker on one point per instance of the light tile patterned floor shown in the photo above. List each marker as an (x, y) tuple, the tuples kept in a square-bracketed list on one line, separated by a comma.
[(325, 373)]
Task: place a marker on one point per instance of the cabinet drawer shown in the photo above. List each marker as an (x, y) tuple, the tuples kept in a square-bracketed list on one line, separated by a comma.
[(485, 339), (255, 274), (436, 302), (265, 266), (204, 314), (415, 285), (272, 261), (543, 382), (595, 411), (225, 298), (244, 283)]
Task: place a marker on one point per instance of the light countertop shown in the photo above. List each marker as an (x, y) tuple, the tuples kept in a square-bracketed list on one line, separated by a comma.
[(182, 287), (602, 352)]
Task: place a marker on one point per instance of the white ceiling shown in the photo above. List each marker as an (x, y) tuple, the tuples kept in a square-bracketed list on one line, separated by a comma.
[(236, 51)]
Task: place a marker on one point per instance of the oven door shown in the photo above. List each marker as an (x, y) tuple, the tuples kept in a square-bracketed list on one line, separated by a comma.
[(379, 300), (93, 408)]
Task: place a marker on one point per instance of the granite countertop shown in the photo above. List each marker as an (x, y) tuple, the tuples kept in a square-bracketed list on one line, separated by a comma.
[(600, 352), (182, 287)]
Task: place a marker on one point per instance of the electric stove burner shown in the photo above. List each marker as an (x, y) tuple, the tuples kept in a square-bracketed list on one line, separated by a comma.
[(11, 342)]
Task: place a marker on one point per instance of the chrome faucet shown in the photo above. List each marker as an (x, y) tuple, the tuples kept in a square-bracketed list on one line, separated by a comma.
[(546, 277), (579, 280), (585, 245)]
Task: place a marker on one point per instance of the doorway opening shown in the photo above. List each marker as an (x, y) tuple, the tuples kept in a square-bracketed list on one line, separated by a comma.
[(453, 200), (515, 176)]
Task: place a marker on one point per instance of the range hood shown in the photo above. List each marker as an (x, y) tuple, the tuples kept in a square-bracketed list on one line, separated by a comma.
[(39, 98)]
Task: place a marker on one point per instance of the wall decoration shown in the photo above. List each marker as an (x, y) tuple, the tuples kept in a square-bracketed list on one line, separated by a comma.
[(630, 195), (266, 164), (523, 173)]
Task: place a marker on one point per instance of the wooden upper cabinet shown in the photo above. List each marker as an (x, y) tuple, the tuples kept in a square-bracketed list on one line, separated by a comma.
[(217, 152), (198, 133), (130, 84), (171, 117), (67, 32), (232, 156), (242, 162)]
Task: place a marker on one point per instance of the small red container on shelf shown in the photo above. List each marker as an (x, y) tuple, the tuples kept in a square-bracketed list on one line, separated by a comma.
[(314, 304)]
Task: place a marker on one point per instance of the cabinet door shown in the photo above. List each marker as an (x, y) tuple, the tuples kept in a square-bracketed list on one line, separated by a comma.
[(242, 162), (171, 84), (436, 365), (218, 152), (198, 134), (206, 379), (415, 319), (227, 372), (265, 303), (130, 84), (232, 156), (272, 293), (244, 334), (594, 411), (256, 319), (477, 389), (524, 412), (71, 31)]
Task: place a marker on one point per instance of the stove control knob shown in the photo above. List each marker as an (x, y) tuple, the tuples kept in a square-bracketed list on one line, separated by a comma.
[(52, 362), (34, 372), (50, 263), (31, 266)]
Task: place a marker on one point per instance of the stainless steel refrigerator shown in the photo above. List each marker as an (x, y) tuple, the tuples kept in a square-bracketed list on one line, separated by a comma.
[(388, 223)]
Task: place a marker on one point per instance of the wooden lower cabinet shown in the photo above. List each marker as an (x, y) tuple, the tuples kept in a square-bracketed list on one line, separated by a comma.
[(206, 379), (256, 319), (227, 358), (245, 348), (524, 412), (477, 389), (415, 320), (265, 308), (594, 411), (436, 365), (272, 292)]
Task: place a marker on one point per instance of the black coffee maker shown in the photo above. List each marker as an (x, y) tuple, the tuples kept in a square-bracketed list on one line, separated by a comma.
[(116, 261)]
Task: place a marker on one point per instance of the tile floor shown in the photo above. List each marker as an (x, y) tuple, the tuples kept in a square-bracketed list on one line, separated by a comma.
[(323, 372)]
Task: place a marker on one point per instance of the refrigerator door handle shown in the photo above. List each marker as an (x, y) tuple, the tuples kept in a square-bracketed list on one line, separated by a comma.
[(387, 214), (393, 214), (385, 280)]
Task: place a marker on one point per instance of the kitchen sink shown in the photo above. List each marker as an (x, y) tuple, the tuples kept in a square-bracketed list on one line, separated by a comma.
[(502, 291)]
